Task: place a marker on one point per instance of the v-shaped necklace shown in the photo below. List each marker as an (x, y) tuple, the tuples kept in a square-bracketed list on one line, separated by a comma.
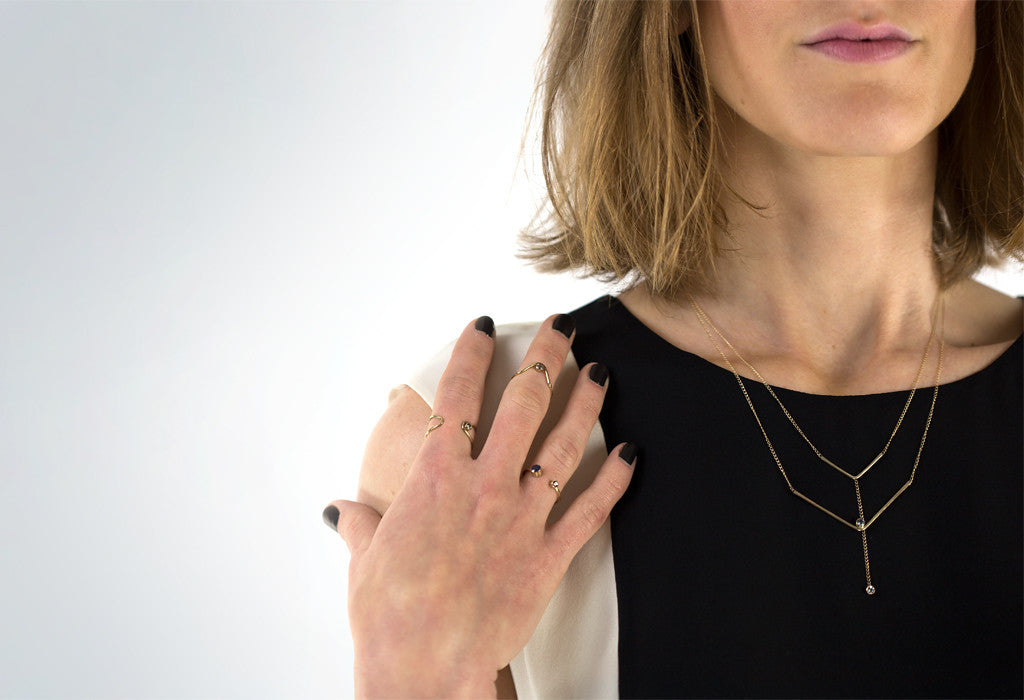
[(862, 523)]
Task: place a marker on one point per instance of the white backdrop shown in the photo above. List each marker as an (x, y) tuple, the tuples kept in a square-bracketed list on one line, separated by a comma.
[(226, 231)]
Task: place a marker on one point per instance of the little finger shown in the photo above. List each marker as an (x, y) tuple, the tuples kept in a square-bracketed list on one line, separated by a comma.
[(591, 508)]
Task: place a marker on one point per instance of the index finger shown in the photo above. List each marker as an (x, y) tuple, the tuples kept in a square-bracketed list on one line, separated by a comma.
[(460, 391)]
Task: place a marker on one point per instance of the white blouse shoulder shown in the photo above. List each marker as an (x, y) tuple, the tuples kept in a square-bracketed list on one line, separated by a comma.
[(574, 651)]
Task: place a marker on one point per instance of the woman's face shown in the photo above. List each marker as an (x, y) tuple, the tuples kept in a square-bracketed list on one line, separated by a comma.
[(806, 100)]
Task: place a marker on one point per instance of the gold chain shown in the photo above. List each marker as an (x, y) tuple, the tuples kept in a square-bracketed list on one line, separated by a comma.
[(860, 525), (703, 317)]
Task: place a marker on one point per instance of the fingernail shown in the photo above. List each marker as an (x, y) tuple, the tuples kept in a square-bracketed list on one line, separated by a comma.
[(331, 517), (598, 373), (564, 324), (628, 454), (485, 324)]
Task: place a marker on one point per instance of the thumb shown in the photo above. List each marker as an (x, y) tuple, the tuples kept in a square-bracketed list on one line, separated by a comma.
[(355, 522)]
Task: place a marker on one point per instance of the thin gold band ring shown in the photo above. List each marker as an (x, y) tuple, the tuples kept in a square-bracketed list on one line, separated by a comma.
[(431, 425), (540, 367), (558, 489)]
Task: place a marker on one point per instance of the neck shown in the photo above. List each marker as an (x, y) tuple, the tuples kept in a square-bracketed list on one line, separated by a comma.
[(840, 259), (831, 288), (836, 276)]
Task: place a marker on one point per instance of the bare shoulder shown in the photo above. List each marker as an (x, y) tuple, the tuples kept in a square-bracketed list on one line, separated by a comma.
[(978, 315), (981, 325), (392, 447)]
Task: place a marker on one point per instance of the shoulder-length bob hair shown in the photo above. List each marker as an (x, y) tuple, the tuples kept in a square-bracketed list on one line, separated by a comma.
[(629, 137)]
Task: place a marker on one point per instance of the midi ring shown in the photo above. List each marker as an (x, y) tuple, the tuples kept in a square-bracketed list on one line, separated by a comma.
[(558, 489), (535, 471), (466, 428), (435, 426), (539, 366)]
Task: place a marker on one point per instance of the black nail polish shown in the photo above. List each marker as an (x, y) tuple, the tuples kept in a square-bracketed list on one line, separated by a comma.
[(628, 453), (485, 324), (564, 324), (331, 517), (598, 374)]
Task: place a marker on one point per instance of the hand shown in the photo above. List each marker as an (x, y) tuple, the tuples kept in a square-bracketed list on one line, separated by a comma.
[(449, 585)]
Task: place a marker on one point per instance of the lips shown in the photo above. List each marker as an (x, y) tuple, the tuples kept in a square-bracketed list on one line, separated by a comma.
[(855, 43), (868, 51), (852, 31)]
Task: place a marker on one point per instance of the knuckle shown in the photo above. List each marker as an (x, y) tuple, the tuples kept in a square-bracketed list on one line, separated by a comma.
[(591, 406), (463, 387), (519, 432), (491, 502), (548, 565), (595, 512), (489, 498), (612, 488), (564, 452), (437, 461), (434, 470), (530, 400), (567, 547), (606, 495), (583, 407)]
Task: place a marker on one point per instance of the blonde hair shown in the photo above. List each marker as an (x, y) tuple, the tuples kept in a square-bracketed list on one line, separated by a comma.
[(629, 138)]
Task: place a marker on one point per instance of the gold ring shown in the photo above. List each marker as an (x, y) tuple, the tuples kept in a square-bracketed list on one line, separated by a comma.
[(432, 428), (466, 427), (535, 471), (539, 366), (558, 490)]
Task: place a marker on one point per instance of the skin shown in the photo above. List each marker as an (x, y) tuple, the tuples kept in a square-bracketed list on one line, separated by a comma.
[(447, 587), (832, 293)]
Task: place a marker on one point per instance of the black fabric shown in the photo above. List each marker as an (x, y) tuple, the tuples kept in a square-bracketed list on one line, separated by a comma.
[(730, 586)]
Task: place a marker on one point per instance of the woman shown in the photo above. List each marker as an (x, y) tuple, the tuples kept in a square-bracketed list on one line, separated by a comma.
[(821, 408)]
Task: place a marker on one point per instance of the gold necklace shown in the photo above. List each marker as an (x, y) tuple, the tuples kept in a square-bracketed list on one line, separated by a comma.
[(860, 524)]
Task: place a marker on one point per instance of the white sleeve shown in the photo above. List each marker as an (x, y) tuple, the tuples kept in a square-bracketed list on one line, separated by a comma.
[(574, 651)]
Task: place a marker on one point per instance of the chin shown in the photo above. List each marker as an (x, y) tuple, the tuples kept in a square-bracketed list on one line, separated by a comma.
[(860, 145), (863, 135)]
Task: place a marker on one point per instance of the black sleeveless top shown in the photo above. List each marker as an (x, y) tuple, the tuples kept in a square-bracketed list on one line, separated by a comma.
[(730, 586)]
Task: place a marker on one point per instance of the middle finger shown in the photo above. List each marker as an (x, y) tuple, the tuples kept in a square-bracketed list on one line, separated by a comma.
[(528, 394)]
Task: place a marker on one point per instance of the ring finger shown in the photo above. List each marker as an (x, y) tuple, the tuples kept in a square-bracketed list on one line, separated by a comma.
[(563, 448)]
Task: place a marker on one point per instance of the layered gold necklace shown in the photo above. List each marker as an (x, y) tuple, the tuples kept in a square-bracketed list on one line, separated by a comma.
[(861, 523)]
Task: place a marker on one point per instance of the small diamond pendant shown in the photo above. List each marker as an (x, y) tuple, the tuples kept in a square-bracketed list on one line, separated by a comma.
[(870, 590)]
